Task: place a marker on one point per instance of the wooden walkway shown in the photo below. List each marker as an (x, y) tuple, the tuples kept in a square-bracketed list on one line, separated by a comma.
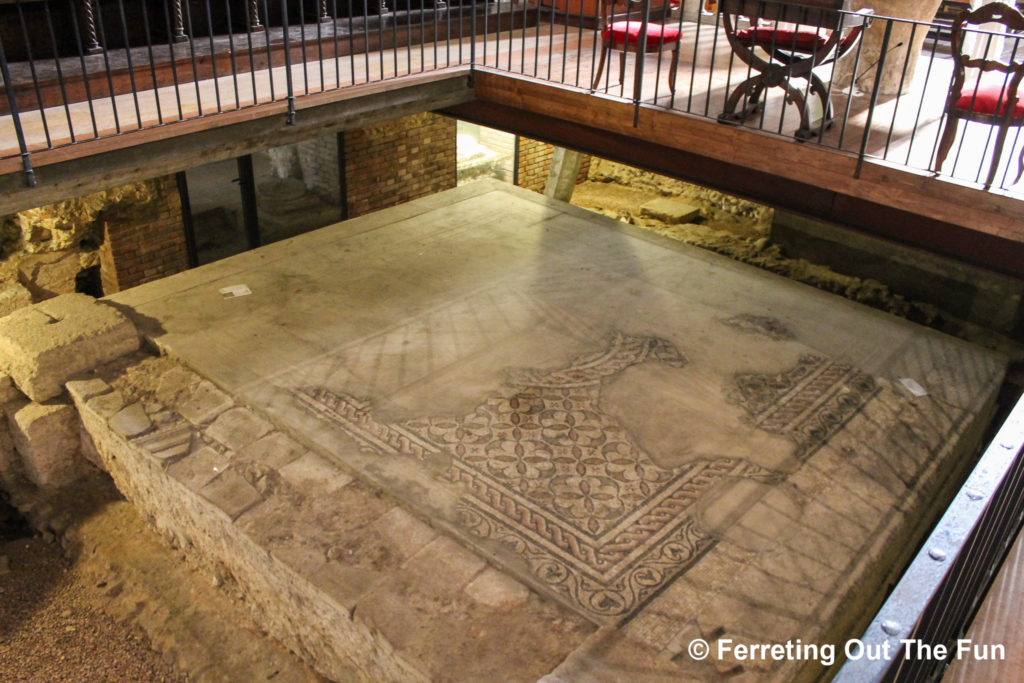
[(904, 129)]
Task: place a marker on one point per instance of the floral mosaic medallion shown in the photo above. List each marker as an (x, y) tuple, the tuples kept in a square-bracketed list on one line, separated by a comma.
[(545, 471)]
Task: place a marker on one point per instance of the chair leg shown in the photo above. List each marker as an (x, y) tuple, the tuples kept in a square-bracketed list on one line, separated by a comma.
[(672, 69), (600, 66), (946, 141), (1020, 167), (622, 65), (997, 153)]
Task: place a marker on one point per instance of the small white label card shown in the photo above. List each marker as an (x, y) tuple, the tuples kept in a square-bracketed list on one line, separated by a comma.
[(913, 386), (235, 290)]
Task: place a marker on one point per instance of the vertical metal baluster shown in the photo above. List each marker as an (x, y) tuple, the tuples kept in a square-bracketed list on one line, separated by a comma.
[(579, 42), (290, 117), (679, 49), (302, 48), (522, 48), (192, 55), (853, 84), (536, 47), (152, 63), (638, 66), (423, 52), (352, 42), (251, 53), (711, 66), (106, 67), (131, 67), (366, 37), (462, 36), (920, 108), (472, 44), (874, 97), (85, 71), (487, 13), (26, 39), (323, 18), (565, 43), (551, 40), (382, 9), (693, 59), (270, 53), (173, 60), (337, 55), (448, 34), (12, 103), (231, 52), (60, 72), (828, 91), (434, 16), (899, 92), (408, 35), (213, 54)]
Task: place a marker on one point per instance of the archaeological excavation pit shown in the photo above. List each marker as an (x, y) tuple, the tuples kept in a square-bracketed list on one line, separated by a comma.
[(489, 433)]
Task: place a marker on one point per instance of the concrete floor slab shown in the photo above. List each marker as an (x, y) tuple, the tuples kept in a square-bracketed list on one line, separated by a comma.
[(667, 443)]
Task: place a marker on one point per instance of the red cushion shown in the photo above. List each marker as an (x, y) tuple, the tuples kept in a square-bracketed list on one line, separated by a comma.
[(620, 31), (986, 100), (802, 40)]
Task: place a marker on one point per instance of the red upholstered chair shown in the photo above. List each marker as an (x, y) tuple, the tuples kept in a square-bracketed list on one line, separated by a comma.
[(626, 35), (985, 99)]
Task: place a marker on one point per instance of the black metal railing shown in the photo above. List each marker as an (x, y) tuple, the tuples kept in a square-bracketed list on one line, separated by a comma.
[(80, 70), (932, 605)]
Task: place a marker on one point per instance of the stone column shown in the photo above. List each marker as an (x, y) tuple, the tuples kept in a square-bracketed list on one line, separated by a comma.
[(902, 49)]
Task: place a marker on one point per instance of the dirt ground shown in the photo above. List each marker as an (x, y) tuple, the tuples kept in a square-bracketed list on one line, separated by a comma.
[(50, 626), (100, 596)]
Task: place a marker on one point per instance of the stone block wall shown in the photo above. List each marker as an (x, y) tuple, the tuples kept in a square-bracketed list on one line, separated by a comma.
[(398, 161), (143, 241), (535, 164)]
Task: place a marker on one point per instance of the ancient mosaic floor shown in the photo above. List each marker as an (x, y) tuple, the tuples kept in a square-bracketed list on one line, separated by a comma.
[(661, 440)]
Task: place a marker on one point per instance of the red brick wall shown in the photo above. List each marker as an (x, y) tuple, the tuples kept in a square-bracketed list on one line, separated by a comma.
[(143, 242), (535, 164), (397, 161)]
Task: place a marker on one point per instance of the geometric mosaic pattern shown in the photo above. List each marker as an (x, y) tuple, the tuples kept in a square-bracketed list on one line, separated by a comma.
[(546, 472), (807, 403)]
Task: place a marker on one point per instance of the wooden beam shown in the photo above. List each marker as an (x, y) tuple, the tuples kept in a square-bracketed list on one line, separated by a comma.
[(960, 222), (93, 166)]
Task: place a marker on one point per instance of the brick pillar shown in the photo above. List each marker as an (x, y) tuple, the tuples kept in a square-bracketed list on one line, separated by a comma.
[(143, 241), (398, 161), (535, 164)]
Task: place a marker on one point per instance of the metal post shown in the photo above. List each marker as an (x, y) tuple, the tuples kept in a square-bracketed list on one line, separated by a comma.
[(93, 44), (189, 227), (254, 16), (12, 102), (287, 64), (874, 97), (179, 22), (641, 54), (247, 189)]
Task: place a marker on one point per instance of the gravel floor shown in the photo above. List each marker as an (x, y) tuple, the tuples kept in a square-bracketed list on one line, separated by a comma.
[(49, 630)]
